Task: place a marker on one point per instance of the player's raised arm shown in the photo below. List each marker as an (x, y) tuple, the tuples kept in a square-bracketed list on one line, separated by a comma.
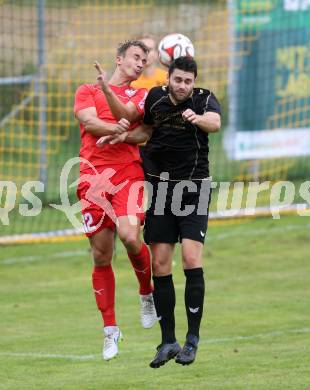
[(129, 110)]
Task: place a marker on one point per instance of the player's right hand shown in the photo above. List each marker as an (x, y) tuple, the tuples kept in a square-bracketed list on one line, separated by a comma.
[(122, 126), (102, 76)]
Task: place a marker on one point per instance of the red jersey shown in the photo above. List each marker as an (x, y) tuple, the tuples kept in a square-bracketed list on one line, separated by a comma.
[(91, 95)]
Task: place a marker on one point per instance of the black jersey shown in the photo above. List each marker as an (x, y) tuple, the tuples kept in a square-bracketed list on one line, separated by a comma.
[(177, 146)]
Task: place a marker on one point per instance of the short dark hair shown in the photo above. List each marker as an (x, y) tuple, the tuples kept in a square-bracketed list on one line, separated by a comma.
[(187, 64), (123, 47)]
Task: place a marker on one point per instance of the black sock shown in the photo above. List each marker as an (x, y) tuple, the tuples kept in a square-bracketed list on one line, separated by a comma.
[(194, 297), (164, 299)]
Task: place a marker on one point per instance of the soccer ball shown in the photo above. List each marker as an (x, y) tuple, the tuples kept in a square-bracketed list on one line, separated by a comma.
[(173, 46)]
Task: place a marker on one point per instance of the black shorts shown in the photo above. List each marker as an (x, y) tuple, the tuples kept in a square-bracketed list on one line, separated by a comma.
[(177, 210)]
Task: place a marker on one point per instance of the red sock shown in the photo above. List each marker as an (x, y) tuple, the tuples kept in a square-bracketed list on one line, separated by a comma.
[(142, 265), (104, 290)]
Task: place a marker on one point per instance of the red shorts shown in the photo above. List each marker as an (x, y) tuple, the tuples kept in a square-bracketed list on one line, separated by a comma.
[(112, 192)]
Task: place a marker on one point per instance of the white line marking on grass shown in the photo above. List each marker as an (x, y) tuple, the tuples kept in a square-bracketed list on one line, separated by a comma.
[(257, 231), (29, 259), (38, 355), (275, 333), (26, 259), (41, 355)]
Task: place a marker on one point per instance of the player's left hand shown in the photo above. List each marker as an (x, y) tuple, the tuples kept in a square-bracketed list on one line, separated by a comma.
[(190, 116), (104, 140), (102, 78), (111, 139)]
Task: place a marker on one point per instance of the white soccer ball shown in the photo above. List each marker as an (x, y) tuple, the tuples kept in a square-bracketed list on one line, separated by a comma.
[(173, 46)]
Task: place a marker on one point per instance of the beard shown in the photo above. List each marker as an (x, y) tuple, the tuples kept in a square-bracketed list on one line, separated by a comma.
[(179, 97)]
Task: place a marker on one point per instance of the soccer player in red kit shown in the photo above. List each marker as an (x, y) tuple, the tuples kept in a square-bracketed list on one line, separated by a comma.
[(107, 176)]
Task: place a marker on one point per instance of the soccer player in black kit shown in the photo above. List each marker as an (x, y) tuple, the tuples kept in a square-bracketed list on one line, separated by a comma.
[(176, 124)]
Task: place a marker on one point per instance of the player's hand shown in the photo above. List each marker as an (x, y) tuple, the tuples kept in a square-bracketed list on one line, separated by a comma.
[(119, 138), (121, 126), (119, 134), (102, 77), (111, 139), (190, 116), (104, 140)]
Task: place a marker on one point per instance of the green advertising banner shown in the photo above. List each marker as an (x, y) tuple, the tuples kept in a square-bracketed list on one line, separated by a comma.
[(272, 14), (271, 77)]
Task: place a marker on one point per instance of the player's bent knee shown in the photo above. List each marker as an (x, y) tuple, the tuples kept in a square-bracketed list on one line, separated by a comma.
[(131, 241), (191, 262), (160, 266), (101, 258)]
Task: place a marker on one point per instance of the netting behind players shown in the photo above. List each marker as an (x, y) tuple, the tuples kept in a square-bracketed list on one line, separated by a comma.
[(254, 55)]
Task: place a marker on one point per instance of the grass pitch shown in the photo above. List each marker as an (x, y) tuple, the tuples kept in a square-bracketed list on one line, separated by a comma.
[(255, 332)]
